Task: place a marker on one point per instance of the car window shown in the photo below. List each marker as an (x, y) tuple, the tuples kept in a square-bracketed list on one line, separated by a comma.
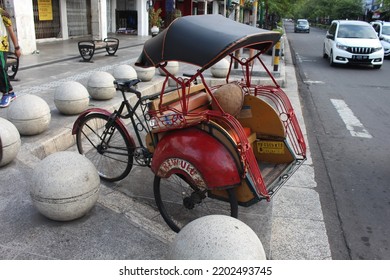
[(332, 29), (302, 22), (356, 31), (386, 30)]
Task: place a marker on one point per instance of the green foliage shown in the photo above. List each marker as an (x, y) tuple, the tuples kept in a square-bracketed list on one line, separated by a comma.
[(315, 9), (154, 17), (248, 5)]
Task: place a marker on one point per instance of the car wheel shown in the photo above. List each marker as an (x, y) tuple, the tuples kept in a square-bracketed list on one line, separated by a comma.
[(377, 66), (324, 55), (331, 62)]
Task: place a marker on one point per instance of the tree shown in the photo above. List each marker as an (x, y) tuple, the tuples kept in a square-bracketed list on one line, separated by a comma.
[(348, 9), (275, 10), (327, 9)]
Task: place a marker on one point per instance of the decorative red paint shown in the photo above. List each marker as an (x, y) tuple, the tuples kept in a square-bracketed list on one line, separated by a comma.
[(197, 155)]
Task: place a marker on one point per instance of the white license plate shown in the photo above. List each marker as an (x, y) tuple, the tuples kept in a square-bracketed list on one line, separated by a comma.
[(360, 57)]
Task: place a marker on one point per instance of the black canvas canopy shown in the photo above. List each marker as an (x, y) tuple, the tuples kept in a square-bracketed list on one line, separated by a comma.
[(203, 40)]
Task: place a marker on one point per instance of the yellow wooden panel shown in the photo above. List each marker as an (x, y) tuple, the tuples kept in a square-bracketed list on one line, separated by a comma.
[(272, 151), (243, 193), (261, 118)]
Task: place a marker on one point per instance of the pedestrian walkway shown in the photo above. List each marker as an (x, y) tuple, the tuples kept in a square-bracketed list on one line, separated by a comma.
[(62, 50), (125, 223)]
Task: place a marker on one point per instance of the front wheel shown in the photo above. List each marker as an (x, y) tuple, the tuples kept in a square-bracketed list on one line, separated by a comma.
[(324, 55), (331, 62), (180, 202), (105, 145)]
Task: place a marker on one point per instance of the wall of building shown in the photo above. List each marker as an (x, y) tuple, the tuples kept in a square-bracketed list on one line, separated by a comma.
[(77, 17), (89, 17), (24, 24)]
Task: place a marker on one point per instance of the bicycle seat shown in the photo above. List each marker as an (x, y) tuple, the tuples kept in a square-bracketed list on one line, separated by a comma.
[(126, 83)]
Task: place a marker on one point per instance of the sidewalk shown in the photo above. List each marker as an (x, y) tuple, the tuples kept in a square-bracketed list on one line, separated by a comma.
[(63, 50), (125, 223)]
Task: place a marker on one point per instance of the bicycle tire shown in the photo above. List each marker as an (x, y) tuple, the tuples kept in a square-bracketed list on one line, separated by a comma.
[(113, 159), (175, 200)]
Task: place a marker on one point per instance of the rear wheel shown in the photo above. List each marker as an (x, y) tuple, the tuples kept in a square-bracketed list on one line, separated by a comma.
[(180, 203), (106, 147)]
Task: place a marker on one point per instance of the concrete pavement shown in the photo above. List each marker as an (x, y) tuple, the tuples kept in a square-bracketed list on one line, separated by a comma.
[(125, 223)]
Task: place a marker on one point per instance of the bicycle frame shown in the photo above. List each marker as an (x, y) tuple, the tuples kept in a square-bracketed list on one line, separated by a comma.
[(139, 125)]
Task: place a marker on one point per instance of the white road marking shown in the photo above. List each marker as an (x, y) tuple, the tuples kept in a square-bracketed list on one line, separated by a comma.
[(303, 59), (314, 82), (352, 123)]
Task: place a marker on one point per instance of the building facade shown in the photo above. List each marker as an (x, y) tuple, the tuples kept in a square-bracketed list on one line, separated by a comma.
[(49, 20)]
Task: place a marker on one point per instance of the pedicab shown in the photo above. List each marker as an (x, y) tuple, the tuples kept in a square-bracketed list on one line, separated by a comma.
[(211, 148)]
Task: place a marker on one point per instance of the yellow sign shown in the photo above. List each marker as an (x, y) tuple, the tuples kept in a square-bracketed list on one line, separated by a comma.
[(270, 147), (45, 10)]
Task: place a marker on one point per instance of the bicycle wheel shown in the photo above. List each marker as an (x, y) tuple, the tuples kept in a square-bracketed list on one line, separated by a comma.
[(107, 148), (180, 203)]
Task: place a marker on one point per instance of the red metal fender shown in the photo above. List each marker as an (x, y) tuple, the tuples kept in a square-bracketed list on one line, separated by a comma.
[(104, 112), (198, 156)]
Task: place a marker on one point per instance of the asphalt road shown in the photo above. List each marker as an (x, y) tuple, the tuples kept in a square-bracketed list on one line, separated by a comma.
[(346, 111)]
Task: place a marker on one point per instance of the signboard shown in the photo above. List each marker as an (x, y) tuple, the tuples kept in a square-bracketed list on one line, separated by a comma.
[(270, 147), (45, 10)]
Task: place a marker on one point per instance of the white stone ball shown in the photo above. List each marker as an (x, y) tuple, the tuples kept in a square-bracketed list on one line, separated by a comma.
[(101, 85), (124, 71), (216, 237), (220, 69), (71, 98), (172, 67), (30, 114), (10, 141), (145, 74), (64, 186)]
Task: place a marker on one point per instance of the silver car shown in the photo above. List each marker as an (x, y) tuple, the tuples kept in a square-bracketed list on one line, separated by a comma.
[(302, 25)]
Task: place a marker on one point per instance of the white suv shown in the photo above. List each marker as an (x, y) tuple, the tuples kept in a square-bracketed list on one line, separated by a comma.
[(353, 42)]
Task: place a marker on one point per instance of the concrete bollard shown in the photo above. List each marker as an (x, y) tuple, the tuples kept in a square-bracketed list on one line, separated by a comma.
[(10, 142), (216, 237), (30, 114), (220, 69), (124, 71), (145, 74), (172, 67), (101, 86), (71, 98), (64, 186)]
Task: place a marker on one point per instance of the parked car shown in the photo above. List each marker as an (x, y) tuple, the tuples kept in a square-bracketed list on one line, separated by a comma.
[(302, 25), (353, 42), (382, 28)]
